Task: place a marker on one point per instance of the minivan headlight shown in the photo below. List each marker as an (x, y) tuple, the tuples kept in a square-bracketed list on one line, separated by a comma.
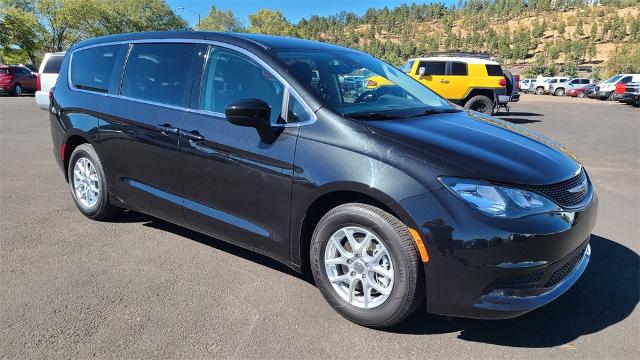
[(497, 200)]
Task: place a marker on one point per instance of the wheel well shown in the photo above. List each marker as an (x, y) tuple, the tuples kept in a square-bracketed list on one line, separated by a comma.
[(321, 206), (486, 92), (70, 145)]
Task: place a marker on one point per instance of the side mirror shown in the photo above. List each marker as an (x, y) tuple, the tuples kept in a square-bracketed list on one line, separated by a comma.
[(422, 71), (253, 113)]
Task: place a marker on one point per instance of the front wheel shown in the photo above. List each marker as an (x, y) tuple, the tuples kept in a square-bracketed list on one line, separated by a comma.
[(366, 265), (539, 91), (581, 95), (88, 184), (480, 103), (559, 92)]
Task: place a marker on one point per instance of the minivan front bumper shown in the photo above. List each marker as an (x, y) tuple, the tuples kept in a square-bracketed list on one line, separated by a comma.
[(488, 268)]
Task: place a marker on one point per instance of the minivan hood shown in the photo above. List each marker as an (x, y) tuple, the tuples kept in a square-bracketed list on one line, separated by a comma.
[(483, 147)]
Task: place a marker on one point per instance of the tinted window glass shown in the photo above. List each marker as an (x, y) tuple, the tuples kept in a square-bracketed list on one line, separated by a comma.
[(53, 64), (434, 67), (458, 69), (626, 79), (159, 72), (91, 68), (296, 112), (5, 71), (494, 70), (230, 76)]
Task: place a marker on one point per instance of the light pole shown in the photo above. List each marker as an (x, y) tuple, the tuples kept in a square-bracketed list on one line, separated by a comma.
[(193, 11)]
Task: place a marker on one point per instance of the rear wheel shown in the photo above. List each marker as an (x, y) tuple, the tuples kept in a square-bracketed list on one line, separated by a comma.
[(17, 90), (480, 103), (559, 92), (581, 94), (539, 91), (88, 184), (366, 265)]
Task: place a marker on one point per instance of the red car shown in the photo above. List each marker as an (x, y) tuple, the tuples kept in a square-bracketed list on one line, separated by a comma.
[(17, 80), (579, 92)]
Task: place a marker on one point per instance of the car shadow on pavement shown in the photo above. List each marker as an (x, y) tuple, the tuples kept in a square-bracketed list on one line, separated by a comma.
[(136, 217), (607, 293)]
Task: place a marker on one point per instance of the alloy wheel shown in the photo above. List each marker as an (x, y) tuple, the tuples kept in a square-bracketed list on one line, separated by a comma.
[(18, 90), (359, 267), (86, 183)]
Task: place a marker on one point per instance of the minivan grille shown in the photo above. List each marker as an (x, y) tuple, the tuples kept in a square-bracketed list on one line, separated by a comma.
[(566, 193), (568, 266)]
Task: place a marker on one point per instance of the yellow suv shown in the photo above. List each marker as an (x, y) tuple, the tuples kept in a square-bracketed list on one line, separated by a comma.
[(474, 83)]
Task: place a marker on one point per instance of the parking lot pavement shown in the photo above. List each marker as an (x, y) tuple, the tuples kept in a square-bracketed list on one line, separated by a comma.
[(143, 288)]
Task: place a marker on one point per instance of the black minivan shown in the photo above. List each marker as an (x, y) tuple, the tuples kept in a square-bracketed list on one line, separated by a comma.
[(388, 196)]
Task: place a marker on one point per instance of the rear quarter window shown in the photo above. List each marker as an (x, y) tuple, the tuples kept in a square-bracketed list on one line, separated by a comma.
[(52, 66), (494, 70), (91, 69), (458, 69)]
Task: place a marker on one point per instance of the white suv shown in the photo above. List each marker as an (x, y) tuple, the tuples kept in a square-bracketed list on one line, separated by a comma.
[(543, 87), (560, 88), (47, 77)]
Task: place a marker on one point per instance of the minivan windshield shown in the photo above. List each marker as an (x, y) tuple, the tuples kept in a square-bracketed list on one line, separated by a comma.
[(360, 86)]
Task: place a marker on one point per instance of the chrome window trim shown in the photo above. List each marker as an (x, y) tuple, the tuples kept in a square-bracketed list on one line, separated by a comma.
[(289, 90)]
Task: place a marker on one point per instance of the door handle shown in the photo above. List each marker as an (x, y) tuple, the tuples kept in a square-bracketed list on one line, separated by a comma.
[(191, 135), (444, 81), (167, 129)]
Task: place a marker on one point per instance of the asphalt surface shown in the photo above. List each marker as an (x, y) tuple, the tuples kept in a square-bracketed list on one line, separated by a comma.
[(142, 288)]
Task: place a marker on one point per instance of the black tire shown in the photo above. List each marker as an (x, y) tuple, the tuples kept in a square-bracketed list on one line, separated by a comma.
[(611, 95), (17, 90), (408, 289), (103, 209), (480, 103), (539, 91), (559, 92)]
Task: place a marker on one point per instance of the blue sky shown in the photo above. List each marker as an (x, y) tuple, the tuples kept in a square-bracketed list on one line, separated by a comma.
[(293, 10)]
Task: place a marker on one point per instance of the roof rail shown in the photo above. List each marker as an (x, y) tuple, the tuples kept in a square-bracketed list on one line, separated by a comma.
[(478, 55)]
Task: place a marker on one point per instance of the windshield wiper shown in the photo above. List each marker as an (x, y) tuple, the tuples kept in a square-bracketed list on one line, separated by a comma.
[(370, 115)]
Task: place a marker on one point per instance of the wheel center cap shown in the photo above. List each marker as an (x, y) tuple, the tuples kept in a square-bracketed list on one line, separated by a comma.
[(359, 267)]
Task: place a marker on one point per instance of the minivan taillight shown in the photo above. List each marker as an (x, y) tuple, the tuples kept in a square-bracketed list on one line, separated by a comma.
[(38, 84), (621, 88), (502, 82)]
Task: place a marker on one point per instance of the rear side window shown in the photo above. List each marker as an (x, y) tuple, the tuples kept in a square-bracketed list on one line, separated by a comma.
[(91, 68), (53, 64), (5, 71), (434, 67), (159, 73), (458, 69), (494, 70)]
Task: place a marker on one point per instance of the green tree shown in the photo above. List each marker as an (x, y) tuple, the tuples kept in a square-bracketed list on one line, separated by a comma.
[(596, 74), (594, 30), (579, 29), (21, 35), (269, 22), (569, 69), (624, 59), (219, 20)]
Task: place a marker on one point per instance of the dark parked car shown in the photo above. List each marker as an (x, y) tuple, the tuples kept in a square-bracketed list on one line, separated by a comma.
[(17, 80), (386, 197), (632, 94)]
